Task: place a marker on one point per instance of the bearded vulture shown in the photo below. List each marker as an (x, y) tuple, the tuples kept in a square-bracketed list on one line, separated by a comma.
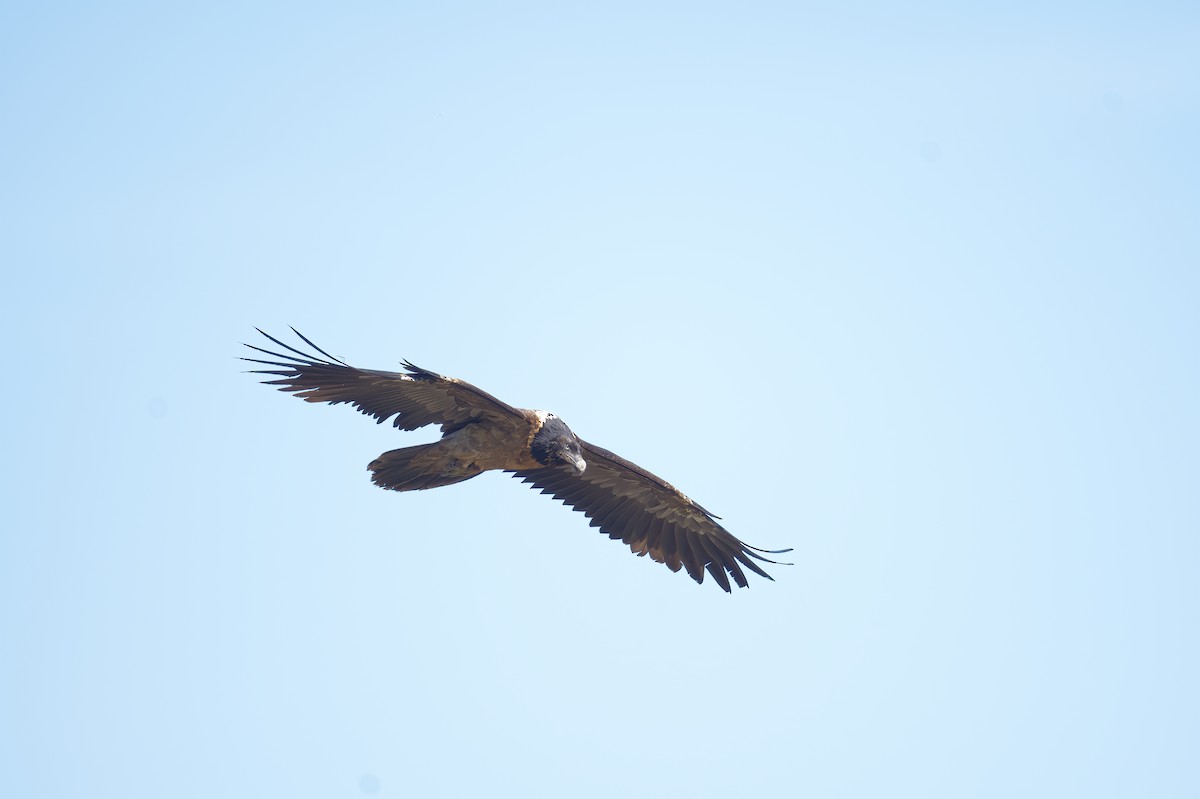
[(480, 433)]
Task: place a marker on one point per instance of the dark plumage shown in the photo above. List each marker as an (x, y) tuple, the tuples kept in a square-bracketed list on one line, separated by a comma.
[(481, 433)]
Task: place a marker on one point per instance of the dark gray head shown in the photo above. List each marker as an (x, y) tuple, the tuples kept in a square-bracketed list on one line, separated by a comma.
[(555, 445)]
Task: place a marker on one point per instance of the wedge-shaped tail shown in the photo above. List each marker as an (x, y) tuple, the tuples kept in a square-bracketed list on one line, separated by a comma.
[(417, 468)]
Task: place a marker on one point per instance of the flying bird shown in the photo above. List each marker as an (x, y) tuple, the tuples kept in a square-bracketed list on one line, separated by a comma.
[(480, 433)]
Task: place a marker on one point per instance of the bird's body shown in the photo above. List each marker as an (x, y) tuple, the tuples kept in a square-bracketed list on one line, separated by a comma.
[(465, 452), (480, 433)]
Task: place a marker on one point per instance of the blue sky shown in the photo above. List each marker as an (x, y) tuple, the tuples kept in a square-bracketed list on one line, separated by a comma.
[(910, 288)]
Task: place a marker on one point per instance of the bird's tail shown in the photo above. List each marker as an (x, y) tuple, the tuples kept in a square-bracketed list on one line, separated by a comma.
[(416, 468)]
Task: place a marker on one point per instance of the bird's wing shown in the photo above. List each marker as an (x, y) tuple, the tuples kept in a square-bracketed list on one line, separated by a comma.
[(651, 516), (416, 397)]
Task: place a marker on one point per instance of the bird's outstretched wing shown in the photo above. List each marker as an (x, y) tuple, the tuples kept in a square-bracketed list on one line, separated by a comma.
[(415, 398), (651, 516)]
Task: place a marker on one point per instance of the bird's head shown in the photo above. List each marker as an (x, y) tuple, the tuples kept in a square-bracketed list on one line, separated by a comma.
[(555, 445)]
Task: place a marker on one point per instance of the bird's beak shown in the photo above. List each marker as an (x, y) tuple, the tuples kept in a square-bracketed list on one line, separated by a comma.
[(579, 464)]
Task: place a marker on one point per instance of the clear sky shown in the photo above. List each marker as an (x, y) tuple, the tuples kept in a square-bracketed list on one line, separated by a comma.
[(909, 287)]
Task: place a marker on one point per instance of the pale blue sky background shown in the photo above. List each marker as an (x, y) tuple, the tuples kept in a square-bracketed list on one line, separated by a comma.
[(911, 288)]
